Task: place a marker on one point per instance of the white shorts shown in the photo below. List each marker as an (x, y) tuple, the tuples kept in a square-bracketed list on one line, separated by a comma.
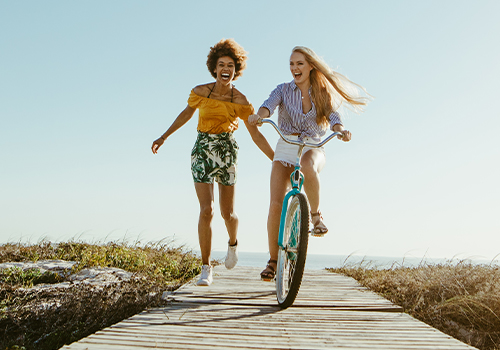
[(286, 153)]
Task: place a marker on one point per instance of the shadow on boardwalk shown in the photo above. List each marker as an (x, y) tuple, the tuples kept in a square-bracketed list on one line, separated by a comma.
[(330, 312)]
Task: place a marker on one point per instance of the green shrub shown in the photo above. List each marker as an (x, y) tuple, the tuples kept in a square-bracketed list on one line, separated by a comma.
[(46, 319)]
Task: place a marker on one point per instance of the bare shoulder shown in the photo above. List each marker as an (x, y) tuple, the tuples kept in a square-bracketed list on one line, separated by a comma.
[(203, 90), (239, 98)]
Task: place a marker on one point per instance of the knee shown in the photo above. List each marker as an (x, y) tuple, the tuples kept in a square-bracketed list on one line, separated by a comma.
[(309, 170), (207, 212), (229, 215)]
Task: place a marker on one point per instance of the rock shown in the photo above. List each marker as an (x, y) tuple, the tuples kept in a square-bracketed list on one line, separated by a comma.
[(42, 265), (101, 275), (97, 276)]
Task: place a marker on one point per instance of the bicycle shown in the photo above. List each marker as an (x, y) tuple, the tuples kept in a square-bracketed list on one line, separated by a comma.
[(294, 228)]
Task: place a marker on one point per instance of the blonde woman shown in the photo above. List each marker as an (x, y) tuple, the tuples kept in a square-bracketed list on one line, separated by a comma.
[(308, 106), (214, 155)]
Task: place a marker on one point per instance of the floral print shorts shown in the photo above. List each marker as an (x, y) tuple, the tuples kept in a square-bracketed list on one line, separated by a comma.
[(214, 156)]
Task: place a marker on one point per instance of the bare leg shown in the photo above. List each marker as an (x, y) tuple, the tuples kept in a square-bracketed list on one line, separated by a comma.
[(226, 199), (280, 176), (205, 193), (312, 162)]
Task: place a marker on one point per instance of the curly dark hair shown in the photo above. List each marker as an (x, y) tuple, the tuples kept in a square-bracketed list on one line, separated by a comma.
[(230, 48)]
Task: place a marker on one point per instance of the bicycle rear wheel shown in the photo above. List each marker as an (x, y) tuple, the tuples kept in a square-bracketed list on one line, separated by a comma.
[(292, 258)]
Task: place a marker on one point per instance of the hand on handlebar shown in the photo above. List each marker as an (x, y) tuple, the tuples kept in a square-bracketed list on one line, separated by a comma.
[(255, 119), (346, 136)]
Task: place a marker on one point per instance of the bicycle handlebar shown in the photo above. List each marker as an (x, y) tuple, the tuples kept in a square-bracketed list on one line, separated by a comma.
[(299, 143)]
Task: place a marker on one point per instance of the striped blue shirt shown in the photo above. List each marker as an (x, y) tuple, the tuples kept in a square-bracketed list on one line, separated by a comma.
[(291, 119)]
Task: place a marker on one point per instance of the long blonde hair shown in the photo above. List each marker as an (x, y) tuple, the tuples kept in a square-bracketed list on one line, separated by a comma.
[(330, 89)]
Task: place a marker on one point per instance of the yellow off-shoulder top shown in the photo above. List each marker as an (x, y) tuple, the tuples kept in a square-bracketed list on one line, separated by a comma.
[(216, 117)]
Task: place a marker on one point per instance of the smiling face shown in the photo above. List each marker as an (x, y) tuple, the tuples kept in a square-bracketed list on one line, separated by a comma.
[(225, 69), (300, 68)]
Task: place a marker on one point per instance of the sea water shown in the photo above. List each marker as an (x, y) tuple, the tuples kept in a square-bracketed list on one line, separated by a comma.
[(319, 262)]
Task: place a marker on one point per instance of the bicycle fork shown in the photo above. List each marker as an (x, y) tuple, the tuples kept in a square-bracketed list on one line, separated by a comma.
[(297, 180)]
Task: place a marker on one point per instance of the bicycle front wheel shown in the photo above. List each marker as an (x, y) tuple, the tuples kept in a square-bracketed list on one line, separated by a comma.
[(292, 256)]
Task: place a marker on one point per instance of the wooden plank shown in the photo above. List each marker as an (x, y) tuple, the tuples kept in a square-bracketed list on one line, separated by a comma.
[(244, 287), (238, 311)]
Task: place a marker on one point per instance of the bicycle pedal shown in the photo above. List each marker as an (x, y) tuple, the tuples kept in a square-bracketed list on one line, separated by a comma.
[(267, 279), (317, 234)]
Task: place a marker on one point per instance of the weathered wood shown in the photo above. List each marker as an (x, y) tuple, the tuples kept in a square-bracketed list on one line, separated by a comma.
[(238, 311), (247, 289)]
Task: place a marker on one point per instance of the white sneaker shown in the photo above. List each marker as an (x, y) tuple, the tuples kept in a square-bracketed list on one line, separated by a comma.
[(232, 256), (206, 276)]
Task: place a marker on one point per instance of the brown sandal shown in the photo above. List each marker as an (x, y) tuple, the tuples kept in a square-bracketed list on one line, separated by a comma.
[(319, 229), (269, 272)]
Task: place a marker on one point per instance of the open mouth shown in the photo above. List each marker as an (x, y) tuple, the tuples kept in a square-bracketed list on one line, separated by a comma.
[(225, 76), (297, 75)]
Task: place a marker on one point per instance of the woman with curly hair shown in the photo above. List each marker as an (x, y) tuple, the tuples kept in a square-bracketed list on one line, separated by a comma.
[(214, 155), (308, 105)]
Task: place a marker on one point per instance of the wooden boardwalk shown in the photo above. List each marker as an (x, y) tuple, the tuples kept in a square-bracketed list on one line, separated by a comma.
[(238, 311)]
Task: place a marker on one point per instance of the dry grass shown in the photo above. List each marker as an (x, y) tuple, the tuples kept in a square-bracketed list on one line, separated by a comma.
[(461, 299), (47, 319)]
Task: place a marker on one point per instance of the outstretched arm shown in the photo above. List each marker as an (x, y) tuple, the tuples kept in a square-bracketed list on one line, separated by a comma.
[(260, 140), (181, 119)]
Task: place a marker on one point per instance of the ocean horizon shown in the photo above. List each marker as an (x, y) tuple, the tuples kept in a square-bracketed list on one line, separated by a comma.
[(320, 262)]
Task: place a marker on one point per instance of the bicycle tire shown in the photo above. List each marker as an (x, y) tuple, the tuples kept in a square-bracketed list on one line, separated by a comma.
[(292, 258)]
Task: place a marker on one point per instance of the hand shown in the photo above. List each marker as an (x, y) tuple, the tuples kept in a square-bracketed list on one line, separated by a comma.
[(157, 144), (255, 119), (346, 136)]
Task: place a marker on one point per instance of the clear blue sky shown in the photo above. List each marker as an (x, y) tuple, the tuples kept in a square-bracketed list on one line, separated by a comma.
[(85, 87)]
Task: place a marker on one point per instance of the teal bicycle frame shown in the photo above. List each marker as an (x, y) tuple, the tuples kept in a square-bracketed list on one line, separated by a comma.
[(296, 178)]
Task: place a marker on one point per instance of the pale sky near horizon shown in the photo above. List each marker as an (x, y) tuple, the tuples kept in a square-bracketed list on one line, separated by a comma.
[(85, 87)]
